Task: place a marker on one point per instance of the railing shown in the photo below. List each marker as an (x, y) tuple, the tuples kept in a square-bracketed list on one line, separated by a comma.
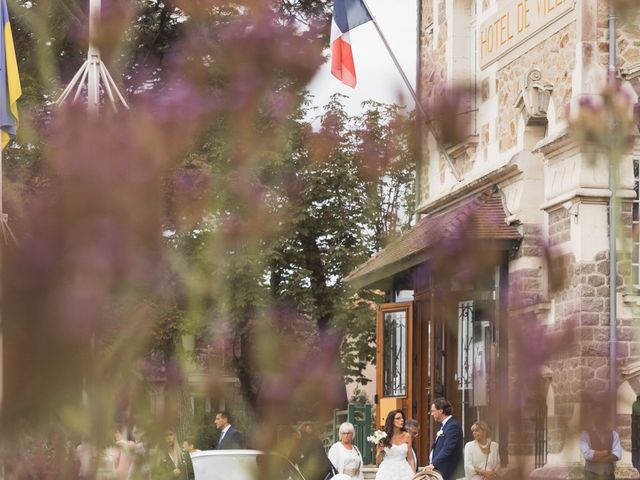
[(540, 433)]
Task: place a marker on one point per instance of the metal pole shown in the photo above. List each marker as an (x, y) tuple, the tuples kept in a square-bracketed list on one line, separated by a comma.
[(413, 94), (93, 57), (1, 322), (613, 272)]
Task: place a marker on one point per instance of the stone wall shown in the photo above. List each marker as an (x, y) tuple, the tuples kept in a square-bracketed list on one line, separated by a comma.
[(555, 58), (432, 82), (526, 291), (559, 226), (433, 56), (579, 306), (628, 37), (584, 368), (526, 285)]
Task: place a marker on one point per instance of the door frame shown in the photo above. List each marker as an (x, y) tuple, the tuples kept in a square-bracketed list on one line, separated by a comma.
[(389, 403)]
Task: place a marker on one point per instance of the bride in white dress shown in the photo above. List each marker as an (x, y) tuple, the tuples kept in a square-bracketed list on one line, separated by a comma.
[(394, 455)]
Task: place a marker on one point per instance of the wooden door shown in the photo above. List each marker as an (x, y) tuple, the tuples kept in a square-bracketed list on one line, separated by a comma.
[(394, 360), (422, 390)]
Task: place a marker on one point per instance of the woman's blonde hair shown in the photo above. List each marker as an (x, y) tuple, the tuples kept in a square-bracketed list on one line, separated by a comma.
[(482, 426)]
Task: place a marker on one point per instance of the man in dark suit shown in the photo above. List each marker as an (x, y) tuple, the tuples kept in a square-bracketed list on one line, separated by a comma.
[(446, 453), (229, 437)]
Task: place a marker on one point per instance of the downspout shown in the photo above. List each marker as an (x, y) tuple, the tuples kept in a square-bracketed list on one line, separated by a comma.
[(419, 129), (613, 273)]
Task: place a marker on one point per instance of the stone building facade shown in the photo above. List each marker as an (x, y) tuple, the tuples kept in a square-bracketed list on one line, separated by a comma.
[(522, 70)]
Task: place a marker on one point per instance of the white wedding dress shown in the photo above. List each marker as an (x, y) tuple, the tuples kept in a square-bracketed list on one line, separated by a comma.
[(394, 466)]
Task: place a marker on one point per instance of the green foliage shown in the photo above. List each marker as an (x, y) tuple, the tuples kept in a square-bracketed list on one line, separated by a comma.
[(217, 205), (346, 188)]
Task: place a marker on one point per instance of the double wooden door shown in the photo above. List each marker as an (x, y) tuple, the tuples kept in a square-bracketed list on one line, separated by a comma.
[(416, 353)]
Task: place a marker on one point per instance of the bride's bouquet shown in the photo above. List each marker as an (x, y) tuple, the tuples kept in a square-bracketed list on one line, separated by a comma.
[(377, 437)]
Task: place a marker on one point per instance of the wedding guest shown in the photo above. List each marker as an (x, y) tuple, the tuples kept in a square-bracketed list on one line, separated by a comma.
[(446, 452), (140, 467), (173, 463), (229, 436), (85, 455), (600, 445), (344, 455), (311, 457), (413, 427), (481, 456), (189, 446), (121, 454)]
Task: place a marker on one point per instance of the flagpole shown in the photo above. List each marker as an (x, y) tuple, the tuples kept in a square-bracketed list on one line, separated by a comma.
[(2, 219), (414, 95), (93, 73), (93, 59)]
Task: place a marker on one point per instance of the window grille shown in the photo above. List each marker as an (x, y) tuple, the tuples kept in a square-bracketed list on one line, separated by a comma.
[(395, 354), (541, 440), (465, 345), (635, 227)]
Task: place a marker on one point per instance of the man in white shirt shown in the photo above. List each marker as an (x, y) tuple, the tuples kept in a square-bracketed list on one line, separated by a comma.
[(600, 446)]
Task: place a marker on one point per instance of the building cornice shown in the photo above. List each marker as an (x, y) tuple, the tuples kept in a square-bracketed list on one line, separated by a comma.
[(555, 145), (630, 371), (496, 176), (587, 195)]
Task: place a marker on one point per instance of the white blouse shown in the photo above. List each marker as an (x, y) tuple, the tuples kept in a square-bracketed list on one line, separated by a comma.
[(346, 461), (474, 458)]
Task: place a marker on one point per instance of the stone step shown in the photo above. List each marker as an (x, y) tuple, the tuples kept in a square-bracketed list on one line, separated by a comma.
[(370, 472)]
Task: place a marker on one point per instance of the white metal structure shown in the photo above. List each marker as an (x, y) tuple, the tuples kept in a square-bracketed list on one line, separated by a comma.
[(93, 72)]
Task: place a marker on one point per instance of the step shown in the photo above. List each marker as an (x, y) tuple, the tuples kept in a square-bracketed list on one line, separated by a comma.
[(369, 472)]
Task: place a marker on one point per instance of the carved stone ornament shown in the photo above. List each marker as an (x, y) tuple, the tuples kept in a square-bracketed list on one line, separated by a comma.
[(534, 97), (631, 74)]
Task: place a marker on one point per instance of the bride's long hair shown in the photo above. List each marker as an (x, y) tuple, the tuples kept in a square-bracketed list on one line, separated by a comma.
[(388, 426)]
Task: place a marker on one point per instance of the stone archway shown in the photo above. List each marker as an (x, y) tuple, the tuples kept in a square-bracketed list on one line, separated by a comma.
[(627, 393)]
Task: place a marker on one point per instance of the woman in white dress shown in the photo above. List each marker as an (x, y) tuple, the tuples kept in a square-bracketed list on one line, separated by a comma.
[(344, 455), (481, 457), (394, 454)]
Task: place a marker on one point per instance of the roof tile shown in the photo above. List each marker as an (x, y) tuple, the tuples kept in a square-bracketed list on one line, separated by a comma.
[(481, 217)]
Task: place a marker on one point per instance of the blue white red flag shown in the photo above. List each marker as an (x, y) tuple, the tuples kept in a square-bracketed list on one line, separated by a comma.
[(10, 89), (347, 15)]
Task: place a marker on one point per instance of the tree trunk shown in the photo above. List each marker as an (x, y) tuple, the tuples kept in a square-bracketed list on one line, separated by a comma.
[(243, 364), (324, 309)]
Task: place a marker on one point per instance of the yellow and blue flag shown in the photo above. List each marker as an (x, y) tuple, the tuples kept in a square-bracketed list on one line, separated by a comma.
[(10, 89)]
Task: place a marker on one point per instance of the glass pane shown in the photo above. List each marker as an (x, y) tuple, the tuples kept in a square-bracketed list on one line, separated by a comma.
[(395, 354)]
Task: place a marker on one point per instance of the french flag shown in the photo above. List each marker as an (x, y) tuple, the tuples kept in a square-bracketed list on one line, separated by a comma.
[(347, 15)]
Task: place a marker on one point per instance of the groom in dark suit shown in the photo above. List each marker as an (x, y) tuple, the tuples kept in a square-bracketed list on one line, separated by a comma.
[(446, 453), (229, 436)]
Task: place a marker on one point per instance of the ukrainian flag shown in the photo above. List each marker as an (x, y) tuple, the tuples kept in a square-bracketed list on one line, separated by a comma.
[(10, 89)]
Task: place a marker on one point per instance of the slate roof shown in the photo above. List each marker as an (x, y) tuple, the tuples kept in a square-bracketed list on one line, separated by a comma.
[(481, 216)]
